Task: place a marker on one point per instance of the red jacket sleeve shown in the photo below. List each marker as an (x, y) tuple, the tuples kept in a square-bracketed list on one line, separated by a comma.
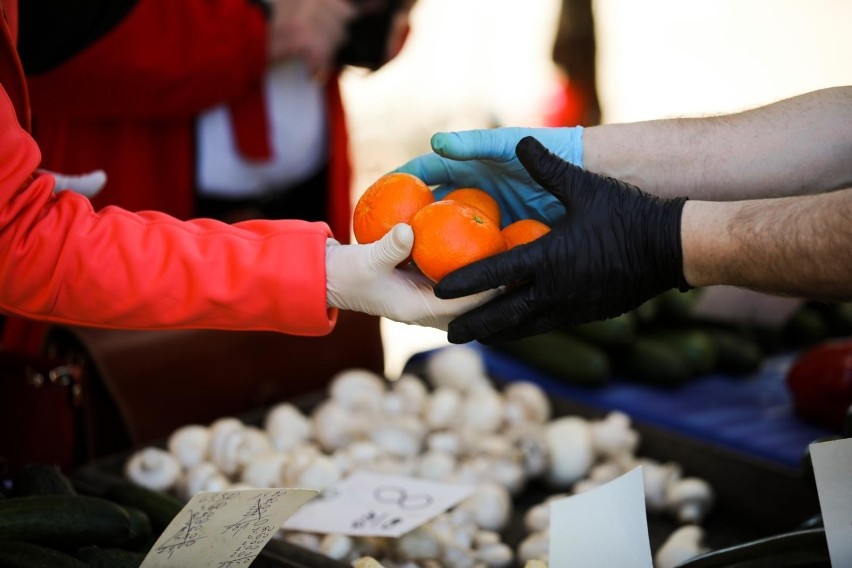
[(62, 262), (185, 55)]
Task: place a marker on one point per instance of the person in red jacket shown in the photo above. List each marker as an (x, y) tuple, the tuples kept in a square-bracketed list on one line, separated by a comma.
[(63, 261), (120, 85)]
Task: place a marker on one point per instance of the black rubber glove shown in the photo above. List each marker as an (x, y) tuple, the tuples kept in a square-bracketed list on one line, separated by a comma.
[(615, 248)]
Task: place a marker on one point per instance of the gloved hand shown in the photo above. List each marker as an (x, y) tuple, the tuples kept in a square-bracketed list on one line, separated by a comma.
[(615, 248), (89, 184), (364, 278), (486, 159)]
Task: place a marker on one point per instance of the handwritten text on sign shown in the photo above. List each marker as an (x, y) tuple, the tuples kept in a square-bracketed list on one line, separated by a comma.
[(225, 529), (371, 504)]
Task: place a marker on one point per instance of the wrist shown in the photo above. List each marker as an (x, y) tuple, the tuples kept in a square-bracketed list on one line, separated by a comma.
[(707, 246)]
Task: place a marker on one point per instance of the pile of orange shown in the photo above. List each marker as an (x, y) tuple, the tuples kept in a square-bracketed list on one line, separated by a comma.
[(461, 228)]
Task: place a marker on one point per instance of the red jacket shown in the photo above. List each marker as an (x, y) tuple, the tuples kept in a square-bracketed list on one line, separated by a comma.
[(63, 262), (127, 104)]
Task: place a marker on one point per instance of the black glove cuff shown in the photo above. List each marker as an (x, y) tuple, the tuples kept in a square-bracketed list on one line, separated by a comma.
[(671, 247)]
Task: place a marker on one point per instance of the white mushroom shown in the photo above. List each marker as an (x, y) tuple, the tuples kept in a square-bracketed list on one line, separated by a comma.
[(535, 546), (357, 455), (613, 436), (335, 426), (656, 477), (287, 426), (253, 442), (265, 470), (309, 541), (443, 409), (537, 517), (225, 437), (337, 546), (482, 410), (496, 555), (314, 472), (153, 468), (491, 506), (683, 544), (436, 464), (412, 392), (526, 402), (358, 389), (419, 544), (400, 436), (445, 441), (689, 499), (189, 444), (531, 441), (203, 477), (509, 473), (457, 367), (570, 448)]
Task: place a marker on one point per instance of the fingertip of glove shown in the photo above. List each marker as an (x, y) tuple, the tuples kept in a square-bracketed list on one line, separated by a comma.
[(402, 235), (439, 142)]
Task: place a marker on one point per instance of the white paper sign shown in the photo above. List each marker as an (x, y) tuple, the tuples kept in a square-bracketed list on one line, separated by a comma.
[(833, 471), (372, 504), (604, 527), (740, 305), (225, 529)]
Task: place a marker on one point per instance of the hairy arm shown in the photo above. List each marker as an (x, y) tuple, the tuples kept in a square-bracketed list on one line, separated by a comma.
[(795, 146), (797, 246)]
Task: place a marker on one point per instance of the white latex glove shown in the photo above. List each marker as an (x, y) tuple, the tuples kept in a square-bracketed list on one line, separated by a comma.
[(86, 184), (364, 278)]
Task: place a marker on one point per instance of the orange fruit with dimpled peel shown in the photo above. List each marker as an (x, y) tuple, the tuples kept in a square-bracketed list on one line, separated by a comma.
[(523, 231), (393, 198), (452, 234)]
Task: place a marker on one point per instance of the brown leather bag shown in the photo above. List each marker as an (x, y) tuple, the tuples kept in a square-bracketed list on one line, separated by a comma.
[(138, 386)]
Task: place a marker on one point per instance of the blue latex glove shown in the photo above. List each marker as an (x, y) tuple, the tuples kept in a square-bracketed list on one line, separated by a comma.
[(486, 159)]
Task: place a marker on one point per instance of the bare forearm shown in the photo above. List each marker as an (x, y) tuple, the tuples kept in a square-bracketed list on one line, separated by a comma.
[(796, 146), (796, 246)]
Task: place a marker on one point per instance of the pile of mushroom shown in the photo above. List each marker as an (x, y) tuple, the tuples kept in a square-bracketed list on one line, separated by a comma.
[(459, 428)]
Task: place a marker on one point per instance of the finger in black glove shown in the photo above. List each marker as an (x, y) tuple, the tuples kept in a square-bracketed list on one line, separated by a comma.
[(615, 248)]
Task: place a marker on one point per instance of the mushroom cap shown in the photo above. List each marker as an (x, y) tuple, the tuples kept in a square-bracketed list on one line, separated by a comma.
[(458, 367), (153, 468), (570, 448), (287, 426), (526, 402), (412, 392), (358, 389), (482, 410), (265, 470), (443, 408), (684, 543), (189, 444)]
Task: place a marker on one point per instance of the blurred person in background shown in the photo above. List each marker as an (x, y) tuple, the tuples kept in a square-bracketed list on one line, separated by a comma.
[(770, 200), (150, 92)]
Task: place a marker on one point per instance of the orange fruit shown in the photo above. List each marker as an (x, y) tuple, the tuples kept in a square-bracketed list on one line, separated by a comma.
[(523, 231), (452, 234), (393, 198), (479, 199)]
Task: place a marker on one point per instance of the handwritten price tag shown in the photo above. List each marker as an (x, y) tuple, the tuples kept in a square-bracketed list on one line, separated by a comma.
[(226, 529), (371, 504)]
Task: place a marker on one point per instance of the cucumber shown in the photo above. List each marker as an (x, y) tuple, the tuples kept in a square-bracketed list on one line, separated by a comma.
[(609, 334), (40, 479), (676, 306), (737, 353), (96, 557), (653, 361), (17, 554), (806, 327), (140, 529), (160, 508), (562, 356), (64, 521), (646, 314), (696, 347)]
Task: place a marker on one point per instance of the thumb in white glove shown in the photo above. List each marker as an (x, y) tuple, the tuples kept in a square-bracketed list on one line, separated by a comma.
[(364, 278), (86, 184)]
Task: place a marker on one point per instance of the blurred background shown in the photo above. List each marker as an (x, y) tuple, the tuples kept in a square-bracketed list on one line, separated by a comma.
[(483, 63)]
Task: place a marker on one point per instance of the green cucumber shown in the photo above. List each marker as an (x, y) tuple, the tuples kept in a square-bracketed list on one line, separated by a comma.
[(562, 356), (160, 507), (140, 529), (737, 353), (697, 348), (609, 334), (653, 361), (64, 521), (40, 479), (17, 554), (676, 306), (96, 557)]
